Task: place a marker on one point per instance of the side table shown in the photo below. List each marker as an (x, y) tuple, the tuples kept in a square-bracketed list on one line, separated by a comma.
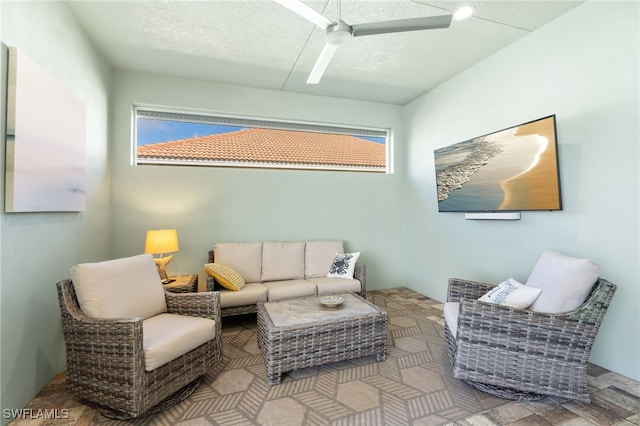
[(183, 284)]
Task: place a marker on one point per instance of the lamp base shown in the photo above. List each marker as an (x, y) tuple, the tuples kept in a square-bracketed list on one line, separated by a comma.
[(161, 264)]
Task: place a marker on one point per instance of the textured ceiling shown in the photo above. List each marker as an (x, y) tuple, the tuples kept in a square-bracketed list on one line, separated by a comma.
[(259, 43)]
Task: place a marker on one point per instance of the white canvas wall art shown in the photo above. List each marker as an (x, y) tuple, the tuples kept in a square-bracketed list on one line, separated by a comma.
[(46, 153)]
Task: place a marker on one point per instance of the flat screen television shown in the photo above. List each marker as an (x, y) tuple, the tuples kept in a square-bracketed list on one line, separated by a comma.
[(515, 169)]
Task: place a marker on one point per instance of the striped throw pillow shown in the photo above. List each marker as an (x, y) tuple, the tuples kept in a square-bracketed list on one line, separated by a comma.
[(225, 276)]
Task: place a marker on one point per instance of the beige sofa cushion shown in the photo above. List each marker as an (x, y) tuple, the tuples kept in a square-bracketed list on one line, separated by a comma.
[(289, 289), (244, 258), (336, 285), (250, 294), (165, 337), (319, 255), (121, 288), (282, 260)]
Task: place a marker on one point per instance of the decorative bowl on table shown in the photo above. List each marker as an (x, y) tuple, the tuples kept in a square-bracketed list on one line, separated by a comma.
[(331, 301)]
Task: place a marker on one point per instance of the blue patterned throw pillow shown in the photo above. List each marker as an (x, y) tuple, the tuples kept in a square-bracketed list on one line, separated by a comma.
[(343, 265), (512, 293)]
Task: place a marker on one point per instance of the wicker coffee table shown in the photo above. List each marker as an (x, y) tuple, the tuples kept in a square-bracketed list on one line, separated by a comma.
[(300, 333)]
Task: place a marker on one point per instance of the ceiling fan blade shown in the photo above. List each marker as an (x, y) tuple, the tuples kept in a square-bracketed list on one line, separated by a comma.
[(306, 12), (402, 25), (321, 63)]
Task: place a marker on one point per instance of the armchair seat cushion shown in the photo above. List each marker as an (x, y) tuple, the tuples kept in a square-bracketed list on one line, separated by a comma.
[(451, 311), (168, 336)]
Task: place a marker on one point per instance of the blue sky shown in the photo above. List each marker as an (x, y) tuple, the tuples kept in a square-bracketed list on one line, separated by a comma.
[(154, 131)]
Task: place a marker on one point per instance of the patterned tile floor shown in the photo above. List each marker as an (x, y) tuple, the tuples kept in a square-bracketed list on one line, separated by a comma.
[(413, 386)]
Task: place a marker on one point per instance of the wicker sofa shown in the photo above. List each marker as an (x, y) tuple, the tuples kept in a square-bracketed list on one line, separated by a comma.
[(277, 270)]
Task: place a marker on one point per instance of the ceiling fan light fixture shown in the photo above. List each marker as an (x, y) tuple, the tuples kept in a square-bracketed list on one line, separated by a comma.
[(464, 12), (339, 34)]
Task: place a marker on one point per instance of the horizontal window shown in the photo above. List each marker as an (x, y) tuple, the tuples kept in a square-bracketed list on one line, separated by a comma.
[(186, 138)]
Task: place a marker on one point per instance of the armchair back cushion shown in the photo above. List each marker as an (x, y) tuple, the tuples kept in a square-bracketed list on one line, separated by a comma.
[(565, 282), (319, 256), (244, 258), (121, 288), (282, 260)]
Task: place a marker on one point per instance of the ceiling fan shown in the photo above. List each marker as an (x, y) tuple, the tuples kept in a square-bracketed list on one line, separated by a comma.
[(339, 33)]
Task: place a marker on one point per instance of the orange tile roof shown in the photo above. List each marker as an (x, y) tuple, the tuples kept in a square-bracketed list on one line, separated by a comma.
[(272, 146)]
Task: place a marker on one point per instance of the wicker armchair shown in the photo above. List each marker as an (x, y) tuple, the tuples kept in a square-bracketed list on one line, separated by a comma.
[(522, 354), (105, 357)]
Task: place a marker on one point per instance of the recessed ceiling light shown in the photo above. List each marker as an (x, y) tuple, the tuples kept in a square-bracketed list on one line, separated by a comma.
[(463, 13)]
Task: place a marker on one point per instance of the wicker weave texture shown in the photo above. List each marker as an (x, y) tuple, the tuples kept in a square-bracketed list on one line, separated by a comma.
[(292, 347), (105, 357), (523, 350), (359, 273)]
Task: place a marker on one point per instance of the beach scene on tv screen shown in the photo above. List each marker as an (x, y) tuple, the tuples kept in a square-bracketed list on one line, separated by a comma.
[(509, 170)]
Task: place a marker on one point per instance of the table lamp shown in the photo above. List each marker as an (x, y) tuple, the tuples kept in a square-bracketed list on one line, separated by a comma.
[(161, 241)]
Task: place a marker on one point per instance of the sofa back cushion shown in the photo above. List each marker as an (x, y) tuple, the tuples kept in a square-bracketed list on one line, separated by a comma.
[(120, 288), (565, 282), (282, 260), (319, 256), (244, 258)]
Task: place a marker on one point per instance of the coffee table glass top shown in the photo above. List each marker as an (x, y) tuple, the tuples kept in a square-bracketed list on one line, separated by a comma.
[(309, 309)]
